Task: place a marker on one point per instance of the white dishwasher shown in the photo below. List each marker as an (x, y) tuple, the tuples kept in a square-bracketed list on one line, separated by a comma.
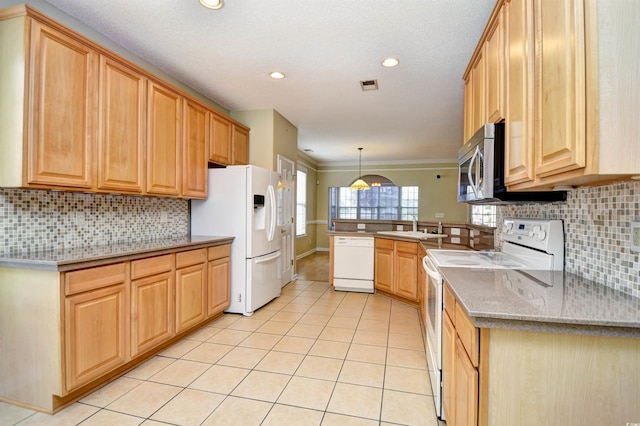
[(353, 264)]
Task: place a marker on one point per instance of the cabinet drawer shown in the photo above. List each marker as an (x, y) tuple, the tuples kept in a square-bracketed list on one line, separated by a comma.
[(450, 304), (384, 244), (90, 279), (468, 335), (405, 247), (153, 265), (192, 257), (219, 252)]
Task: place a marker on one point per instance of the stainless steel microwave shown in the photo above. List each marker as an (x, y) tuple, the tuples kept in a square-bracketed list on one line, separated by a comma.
[(481, 172)]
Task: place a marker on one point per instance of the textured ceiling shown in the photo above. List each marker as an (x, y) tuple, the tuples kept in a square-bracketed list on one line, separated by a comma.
[(325, 48)]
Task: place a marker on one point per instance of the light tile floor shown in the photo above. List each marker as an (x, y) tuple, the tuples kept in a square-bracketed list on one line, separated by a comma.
[(311, 357)]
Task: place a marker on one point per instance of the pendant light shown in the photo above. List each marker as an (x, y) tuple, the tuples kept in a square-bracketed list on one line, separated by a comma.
[(359, 184)]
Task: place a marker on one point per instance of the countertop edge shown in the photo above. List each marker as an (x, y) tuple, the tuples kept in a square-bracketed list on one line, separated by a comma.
[(550, 324), (99, 260)]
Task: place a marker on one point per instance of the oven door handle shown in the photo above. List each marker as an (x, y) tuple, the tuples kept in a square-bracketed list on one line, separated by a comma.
[(431, 269)]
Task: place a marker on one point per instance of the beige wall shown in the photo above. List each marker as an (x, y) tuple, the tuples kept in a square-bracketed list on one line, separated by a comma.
[(436, 195), (271, 135)]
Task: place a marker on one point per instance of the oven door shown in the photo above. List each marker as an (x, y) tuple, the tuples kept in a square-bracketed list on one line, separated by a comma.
[(433, 300)]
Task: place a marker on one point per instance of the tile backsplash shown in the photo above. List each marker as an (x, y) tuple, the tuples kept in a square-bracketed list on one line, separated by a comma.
[(35, 220), (597, 232)]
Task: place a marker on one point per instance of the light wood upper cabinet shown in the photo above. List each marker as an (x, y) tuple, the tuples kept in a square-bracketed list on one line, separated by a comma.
[(494, 70), (195, 150), (240, 145), (221, 130), (121, 143), (78, 117), (570, 90), (560, 133), (164, 140), (519, 92), (477, 87), (63, 81)]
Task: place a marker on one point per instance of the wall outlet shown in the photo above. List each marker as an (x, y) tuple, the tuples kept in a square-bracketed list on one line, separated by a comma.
[(439, 215), (80, 218), (455, 231), (164, 216), (362, 226), (399, 228), (635, 237), (455, 240)]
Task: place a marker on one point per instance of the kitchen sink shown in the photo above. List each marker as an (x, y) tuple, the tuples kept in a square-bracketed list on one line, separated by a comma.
[(413, 234)]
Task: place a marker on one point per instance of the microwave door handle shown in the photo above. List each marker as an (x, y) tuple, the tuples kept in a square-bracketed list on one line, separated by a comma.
[(470, 173)]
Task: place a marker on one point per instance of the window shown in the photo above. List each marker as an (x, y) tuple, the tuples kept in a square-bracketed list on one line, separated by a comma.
[(376, 203), (483, 215), (301, 202)]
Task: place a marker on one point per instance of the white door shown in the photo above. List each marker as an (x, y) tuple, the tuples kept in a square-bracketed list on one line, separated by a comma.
[(286, 192)]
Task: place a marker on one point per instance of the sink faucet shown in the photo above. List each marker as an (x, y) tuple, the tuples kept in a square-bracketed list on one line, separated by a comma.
[(415, 224)]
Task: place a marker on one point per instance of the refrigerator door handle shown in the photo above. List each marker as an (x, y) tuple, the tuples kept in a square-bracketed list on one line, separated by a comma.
[(269, 259), (272, 213)]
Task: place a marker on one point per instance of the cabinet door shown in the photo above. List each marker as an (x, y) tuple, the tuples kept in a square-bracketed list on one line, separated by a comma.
[(477, 76), (121, 128), (96, 329), (560, 90), (383, 269), (62, 110), (190, 296), (164, 142), (240, 145), (468, 108), (218, 289), (220, 140), (406, 271), (519, 92), (152, 311), (448, 368), (194, 153), (494, 66), (466, 389)]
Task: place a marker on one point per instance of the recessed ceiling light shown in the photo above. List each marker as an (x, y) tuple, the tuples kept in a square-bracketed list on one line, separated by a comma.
[(277, 75), (390, 62), (212, 4)]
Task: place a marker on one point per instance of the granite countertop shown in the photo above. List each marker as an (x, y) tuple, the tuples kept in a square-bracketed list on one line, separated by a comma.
[(84, 257), (543, 301)]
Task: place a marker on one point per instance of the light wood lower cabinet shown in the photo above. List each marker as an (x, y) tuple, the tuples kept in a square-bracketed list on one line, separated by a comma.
[(218, 278), (396, 268), (191, 286), (87, 326), (96, 319), (152, 304)]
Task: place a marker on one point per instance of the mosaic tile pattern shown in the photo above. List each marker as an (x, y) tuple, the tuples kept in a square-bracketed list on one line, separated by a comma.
[(597, 232), (35, 220)]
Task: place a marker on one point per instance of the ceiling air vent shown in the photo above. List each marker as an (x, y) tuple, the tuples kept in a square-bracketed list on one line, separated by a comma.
[(367, 85)]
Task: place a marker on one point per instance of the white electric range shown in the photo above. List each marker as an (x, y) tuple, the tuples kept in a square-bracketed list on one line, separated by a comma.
[(533, 246)]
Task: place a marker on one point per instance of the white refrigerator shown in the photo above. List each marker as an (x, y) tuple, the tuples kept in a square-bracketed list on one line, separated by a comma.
[(242, 203)]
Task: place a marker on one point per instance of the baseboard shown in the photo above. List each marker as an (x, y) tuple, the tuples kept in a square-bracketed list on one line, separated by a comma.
[(307, 253)]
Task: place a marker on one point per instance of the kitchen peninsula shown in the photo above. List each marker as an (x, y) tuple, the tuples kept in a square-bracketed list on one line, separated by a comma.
[(75, 319), (558, 350)]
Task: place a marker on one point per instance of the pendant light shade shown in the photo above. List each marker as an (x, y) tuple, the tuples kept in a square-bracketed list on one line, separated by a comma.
[(359, 184)]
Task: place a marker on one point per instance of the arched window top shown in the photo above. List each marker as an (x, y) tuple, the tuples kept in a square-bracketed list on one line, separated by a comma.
[(376, 180)]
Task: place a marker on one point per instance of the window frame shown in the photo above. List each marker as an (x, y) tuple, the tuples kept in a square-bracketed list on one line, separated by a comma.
[(301, 223), (342, 199)]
